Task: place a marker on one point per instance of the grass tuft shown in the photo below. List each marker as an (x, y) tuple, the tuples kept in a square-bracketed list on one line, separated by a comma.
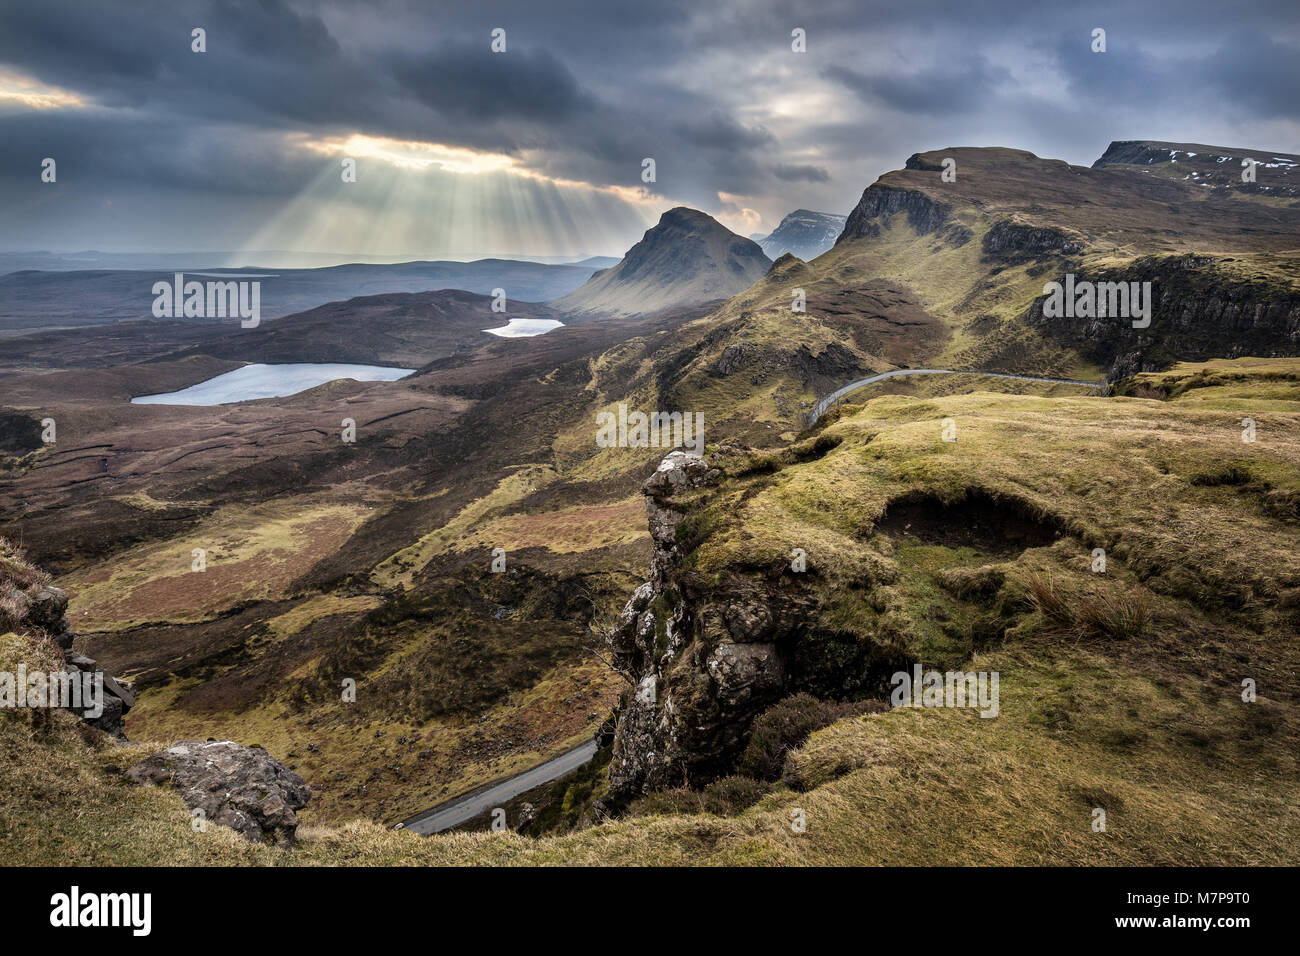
[(1120, 617)]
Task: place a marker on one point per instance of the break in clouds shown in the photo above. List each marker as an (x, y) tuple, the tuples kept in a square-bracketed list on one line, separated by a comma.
[(538, 150)]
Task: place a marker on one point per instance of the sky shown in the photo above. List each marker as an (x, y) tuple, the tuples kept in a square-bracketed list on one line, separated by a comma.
[(462, 151)]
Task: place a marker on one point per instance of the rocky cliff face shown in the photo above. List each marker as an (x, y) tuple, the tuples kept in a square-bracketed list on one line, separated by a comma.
[(1016, 241), (877, 202), (705, 658), (1276, 174), (1199, 312)]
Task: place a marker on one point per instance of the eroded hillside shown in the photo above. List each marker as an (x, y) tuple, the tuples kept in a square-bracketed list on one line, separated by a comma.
[(1120, 690)]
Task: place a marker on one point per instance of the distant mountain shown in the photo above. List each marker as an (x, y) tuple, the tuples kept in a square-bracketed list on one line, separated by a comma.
[(804, 233), (268, 260), (404, 329), (599, 262), (1276, 174), (36, 299), (687, 259)]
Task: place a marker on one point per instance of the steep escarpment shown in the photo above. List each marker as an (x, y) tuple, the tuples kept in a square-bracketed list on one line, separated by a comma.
[(1214, 167), (1201, 307), (879, 202), (976, 234)]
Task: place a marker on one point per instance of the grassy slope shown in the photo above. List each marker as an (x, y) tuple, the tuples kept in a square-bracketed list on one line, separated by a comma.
[(1149, 726), (974, 300)]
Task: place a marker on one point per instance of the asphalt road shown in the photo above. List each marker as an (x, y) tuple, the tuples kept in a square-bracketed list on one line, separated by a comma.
[(467, 807), (819, 409), (470, 805)]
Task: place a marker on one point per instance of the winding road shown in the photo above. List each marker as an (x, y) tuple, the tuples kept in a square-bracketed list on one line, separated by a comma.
[(819, 409), (466, 807), (470, 805)]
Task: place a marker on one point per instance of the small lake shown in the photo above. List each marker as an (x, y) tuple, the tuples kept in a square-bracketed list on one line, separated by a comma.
[(270, 381), (521, 328)]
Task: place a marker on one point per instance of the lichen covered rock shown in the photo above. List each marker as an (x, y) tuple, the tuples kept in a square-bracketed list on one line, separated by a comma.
[(243, 788)]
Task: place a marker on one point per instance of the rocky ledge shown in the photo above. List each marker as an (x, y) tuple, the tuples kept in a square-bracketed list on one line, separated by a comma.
[(43, 609), (1018, 241)]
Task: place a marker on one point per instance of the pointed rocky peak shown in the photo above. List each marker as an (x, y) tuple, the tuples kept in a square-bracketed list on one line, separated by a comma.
[(805, 233), (687, 258)]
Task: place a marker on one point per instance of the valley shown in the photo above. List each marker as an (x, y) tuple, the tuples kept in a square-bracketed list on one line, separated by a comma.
[(374, 561)]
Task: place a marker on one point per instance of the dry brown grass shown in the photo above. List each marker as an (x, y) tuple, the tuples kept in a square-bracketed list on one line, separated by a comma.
[(17, 578), (1105, 614), (14, 569)]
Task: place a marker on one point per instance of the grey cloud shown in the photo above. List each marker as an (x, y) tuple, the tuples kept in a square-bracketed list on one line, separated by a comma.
[(958, 86), (1258, 74), (797, 173), (720, 131), (469, 81)]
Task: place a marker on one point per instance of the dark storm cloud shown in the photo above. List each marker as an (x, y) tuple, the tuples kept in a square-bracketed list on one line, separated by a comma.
[(587, 88), (719, 131), (264, 59), (101, 153), (951, 88), (796, 173), (1124, 72), (1259, 74), (458, 80)]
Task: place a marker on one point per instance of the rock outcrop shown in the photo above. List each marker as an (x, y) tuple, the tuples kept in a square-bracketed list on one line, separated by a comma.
[(243, 788), (1018, 241), (29, 604), (47, 612), (878, 203), (704, 659)]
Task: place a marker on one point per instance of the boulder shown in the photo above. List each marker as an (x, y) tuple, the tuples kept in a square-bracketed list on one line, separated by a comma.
[(48, 606), (527, 814), (244, 788), (677, 472), (731, 359)]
